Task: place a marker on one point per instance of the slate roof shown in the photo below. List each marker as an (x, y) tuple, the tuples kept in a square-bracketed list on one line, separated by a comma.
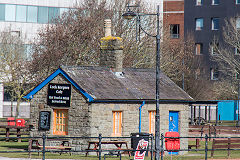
[(136, 84)]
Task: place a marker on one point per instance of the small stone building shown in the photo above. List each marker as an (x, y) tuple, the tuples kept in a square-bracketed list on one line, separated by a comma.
[(87, 101)]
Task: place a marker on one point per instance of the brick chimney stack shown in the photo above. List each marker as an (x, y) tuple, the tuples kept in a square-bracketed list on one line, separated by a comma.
[(111, 50)]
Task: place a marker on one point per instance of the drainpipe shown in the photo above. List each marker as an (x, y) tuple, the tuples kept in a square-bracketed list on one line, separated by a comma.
[(140, 113)]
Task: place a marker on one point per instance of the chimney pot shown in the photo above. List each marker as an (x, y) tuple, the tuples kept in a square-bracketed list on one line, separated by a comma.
[(108, 27)]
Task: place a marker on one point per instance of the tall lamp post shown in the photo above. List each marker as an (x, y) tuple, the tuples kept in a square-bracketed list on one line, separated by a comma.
[(129, 15)]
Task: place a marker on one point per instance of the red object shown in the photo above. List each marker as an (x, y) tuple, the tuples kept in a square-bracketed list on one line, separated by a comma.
[(172, 143), (11, 121), (20, 122)]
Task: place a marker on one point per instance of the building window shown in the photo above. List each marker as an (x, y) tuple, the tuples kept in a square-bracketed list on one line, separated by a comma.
[(197, 73), (215, 2), (214, 74), (237, 51), (174, 30), (238, 22), (199, 23), (60, 122), (237, 1), (42, 14), (32, 14), (214, 48), (117, 123), (215, 23), (10, 12), (199, 2), (198, 48), (151, 121), (2, 12), (21, 13), (53, 14)]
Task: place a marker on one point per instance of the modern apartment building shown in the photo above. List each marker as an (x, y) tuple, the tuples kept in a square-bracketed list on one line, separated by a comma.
[(25, 18), (204, 19)]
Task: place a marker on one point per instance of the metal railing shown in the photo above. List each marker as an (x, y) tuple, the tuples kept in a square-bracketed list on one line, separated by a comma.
[(101, 151)]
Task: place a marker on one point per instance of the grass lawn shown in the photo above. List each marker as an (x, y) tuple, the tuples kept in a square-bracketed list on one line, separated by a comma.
[(23, 146)]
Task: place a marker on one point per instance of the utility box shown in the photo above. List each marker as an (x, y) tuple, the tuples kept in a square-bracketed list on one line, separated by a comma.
[(228, 110), (172, 143)]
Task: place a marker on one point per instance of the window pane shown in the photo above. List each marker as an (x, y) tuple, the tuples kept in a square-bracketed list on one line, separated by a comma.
[(215, 2), (199, 24), (2, 12), (215, 23), (238, 23), (198, 48), (32, 14), (237, 1), (63, 10), (199, 2), (10, 12), (21, 13), (54, 13), (42, 14)]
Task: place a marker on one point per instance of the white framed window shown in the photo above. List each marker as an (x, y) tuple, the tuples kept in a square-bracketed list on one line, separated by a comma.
[(237, 1), (199, 23), (198, 48), (215, 2), (214, 73), (215, 23), (237, 51), (199, 2)]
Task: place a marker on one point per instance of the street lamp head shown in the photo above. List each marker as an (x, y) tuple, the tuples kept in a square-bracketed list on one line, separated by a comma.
[(129, 15)]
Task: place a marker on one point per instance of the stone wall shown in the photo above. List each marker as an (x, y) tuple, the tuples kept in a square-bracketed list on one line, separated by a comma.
[(102, 121), (92, 119)]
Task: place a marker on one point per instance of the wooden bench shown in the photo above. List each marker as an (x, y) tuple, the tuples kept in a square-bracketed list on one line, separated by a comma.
[(34, 144), (196, 145), (225, 144)]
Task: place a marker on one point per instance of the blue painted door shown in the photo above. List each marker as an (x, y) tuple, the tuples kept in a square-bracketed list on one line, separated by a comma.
[(173, 121), (173, 125)]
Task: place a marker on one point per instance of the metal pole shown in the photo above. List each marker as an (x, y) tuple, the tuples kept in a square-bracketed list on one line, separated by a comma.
[(206, 146), (44, 144), (238, 123), (157, 125), (100, 146), (162, 149)]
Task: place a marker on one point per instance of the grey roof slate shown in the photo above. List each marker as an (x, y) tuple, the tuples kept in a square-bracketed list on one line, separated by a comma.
[(102, 84)]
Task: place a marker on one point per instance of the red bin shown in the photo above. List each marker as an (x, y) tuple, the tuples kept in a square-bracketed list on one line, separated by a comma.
[(11, 121), (172, 143), (20, 122)]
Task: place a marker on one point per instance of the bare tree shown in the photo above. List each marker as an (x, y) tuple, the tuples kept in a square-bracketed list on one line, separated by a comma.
[(226, 55), (14, 67), (74, 38)]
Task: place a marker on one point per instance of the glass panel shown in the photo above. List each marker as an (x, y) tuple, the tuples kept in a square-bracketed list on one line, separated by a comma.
[(32, 14), (21, 13), (199, 24), (54, 13), (63, 10), (2, 12), (10, 12), (42, 14)]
